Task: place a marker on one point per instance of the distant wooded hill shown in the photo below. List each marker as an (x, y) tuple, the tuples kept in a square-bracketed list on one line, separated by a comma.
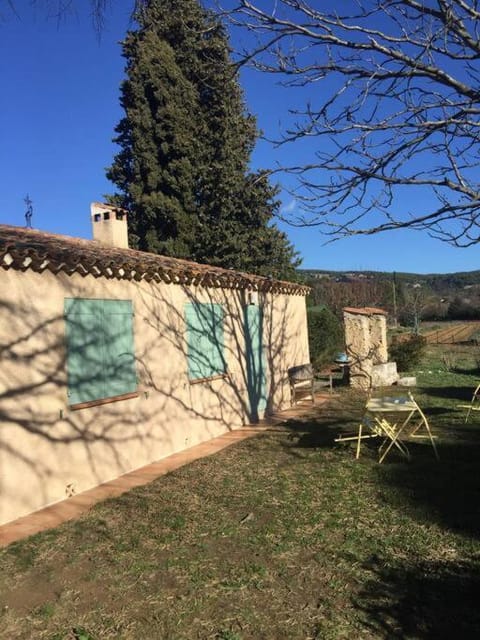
[(412, 296), (435, 281)]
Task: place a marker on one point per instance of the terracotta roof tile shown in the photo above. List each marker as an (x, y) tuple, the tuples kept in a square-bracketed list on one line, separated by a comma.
[(22, 248), (365, 311)]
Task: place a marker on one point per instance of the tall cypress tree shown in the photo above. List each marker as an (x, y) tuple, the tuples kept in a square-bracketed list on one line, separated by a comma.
[(185, 145), (154, 169)]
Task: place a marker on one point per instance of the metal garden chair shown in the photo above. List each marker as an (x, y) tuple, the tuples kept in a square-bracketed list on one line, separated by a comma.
[(474, 404)]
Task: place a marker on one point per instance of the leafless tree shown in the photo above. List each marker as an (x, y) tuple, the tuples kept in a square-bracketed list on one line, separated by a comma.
[(61, 9), (417, 301), (395, 110)]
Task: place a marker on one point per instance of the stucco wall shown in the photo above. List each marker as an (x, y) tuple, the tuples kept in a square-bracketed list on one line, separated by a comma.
[(378, 336), (45, 447)]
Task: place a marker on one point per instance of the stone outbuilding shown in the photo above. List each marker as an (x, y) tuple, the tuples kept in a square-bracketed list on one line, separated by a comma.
[(366, 347), (113, 358)]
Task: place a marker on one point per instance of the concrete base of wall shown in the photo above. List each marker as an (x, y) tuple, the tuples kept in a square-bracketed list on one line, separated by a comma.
[(384, 375)]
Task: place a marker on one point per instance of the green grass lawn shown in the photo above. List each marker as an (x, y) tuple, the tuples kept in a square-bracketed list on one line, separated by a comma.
[(284, 536)]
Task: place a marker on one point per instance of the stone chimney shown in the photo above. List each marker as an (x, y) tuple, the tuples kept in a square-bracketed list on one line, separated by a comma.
[(109, 225)]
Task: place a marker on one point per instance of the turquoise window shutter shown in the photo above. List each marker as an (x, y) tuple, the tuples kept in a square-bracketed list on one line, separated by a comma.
[(216, 336), (100, 349), (196, 343), (205, 340), (255, 359), (85, 350), (120, 374)]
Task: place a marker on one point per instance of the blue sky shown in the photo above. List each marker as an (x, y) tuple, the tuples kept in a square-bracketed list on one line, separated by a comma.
[(60, 103)]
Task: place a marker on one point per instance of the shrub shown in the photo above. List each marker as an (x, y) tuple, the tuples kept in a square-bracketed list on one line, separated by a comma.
[(408, 354), (325, 336), (463, 310)]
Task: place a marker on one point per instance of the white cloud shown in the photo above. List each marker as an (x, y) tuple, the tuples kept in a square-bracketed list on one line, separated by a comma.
[(289, 207)]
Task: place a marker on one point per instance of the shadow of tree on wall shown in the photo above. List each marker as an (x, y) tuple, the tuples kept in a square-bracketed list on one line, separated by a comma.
[(241, 390), (100, 442), (433, 599)]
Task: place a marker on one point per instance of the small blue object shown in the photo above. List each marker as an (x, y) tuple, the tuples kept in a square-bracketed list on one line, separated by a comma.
[(341, 357)]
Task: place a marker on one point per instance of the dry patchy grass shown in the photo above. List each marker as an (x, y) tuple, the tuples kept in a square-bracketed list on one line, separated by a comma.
[(281, 536)]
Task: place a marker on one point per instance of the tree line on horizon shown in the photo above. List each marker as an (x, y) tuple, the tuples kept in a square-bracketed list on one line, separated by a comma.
[(406, 298)]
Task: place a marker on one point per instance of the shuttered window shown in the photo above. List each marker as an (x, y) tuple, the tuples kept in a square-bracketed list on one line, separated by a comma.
[(100, 349), (255, 360), (205, 340)]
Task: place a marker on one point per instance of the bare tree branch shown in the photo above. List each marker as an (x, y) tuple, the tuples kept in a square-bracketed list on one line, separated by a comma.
[(396, 110), (61, 9)]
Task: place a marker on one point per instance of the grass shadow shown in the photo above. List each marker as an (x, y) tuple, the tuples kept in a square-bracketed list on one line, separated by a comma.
[(433, 599), (311, 434), (340, 415), (446, 492), (467, 371), (452, 393)]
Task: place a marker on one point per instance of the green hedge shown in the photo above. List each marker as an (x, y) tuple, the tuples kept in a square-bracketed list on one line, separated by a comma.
[(325, 336), (408, 354)]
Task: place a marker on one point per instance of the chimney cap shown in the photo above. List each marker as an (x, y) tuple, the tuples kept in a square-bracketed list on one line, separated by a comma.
[(97, 208), (109, 224)]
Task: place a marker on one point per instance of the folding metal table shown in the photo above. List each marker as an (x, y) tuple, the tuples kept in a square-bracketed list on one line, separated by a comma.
[(414, 424)]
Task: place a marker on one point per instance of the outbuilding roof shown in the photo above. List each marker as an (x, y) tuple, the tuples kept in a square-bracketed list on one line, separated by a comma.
[(365, 311), (22, 249)]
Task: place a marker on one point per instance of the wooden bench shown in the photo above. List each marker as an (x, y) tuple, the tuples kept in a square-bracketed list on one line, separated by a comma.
[(301, 379), (325, 376)]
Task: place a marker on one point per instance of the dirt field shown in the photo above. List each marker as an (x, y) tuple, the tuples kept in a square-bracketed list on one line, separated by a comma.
[(450, 334)]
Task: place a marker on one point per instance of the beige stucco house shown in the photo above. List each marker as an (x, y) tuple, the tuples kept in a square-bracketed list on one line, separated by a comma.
[(112, 358)]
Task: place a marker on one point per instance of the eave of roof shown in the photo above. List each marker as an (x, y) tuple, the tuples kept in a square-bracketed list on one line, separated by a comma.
[(22, 248)]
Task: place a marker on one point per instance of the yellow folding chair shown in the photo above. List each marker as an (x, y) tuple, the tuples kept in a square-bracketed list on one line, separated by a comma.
[(391, 438), (419, 423), (405, 421), (373, 427), (367, 428), (474, 404)]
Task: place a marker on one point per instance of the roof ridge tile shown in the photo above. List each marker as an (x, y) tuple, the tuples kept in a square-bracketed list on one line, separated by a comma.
[(66, 253)]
